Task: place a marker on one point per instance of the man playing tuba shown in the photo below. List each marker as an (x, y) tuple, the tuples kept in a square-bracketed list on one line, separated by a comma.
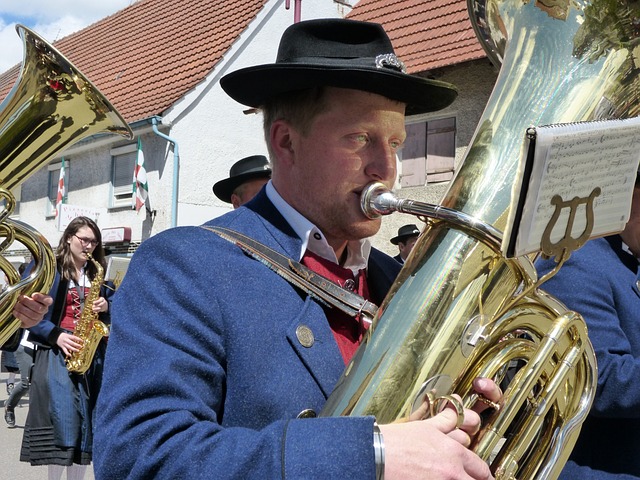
[(256, 357)]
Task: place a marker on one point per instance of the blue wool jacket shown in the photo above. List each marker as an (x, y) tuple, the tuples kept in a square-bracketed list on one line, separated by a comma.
[(205, 375), (600, 281)]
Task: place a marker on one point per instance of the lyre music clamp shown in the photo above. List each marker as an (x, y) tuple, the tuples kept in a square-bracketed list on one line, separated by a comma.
[(567, 244)]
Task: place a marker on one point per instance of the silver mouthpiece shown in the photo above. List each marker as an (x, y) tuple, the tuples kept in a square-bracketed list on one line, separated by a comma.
[(376, 200)]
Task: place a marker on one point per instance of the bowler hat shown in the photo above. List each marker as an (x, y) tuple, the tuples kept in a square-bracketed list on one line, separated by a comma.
[(405, 232), (337, 53), (255, 166)]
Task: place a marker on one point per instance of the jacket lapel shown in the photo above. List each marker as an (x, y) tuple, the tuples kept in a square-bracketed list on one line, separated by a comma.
[(308, 333)]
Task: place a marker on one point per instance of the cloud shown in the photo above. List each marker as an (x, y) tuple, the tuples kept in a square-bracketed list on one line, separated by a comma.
[(67, 17), (43, 11), (11, 51)]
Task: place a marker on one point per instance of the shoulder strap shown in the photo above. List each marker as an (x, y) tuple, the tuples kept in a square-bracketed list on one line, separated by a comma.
[(318, 287)]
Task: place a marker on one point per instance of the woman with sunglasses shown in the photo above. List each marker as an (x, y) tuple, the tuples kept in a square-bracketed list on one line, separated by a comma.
[(58, 430)]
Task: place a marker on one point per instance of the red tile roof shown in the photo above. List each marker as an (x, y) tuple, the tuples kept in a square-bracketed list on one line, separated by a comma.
[(150, 54), (426, 34), (147, 56)]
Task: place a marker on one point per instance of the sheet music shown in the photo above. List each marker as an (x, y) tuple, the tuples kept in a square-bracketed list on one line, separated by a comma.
[(571, 160), (116, 269)]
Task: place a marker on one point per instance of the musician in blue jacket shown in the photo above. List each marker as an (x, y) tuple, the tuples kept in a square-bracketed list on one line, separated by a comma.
[(217, 365), (601, 281)]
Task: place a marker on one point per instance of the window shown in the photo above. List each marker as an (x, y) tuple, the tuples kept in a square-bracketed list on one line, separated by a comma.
[(428, 155), (54, 178), (123, 161)]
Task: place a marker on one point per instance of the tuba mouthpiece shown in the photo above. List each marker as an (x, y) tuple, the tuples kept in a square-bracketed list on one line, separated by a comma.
[(377, 200)]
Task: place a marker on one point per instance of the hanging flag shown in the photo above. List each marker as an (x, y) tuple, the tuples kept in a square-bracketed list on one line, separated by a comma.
[(140, 187), (61, 191)]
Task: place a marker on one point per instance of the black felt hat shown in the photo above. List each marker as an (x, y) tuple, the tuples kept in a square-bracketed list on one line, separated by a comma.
[(255, 166), (405, 232), (337, 53)]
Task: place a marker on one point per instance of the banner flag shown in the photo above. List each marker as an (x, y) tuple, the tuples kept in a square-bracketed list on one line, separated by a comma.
[(140, 187), (61, 190)]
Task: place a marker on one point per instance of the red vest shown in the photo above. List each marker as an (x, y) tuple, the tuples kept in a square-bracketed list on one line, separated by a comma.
[(347, 331)]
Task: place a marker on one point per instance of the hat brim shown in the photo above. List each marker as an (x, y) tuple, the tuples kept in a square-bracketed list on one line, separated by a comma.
[(254, 86), (224, 188), (402, 238)]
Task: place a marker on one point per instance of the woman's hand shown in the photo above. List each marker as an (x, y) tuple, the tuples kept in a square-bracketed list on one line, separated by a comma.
[(100, 305), (69, 343)]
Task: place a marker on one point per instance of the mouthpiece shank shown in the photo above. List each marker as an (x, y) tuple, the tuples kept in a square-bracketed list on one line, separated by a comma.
[(376, 200)]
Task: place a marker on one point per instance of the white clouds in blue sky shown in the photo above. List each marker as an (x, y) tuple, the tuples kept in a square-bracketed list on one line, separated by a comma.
[(51, 20)]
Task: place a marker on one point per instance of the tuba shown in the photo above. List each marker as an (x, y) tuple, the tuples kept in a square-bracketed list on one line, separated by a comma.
[(459, 309), (51, 106)]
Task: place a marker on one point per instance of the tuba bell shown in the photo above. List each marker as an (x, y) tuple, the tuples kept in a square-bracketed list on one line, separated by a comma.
[(459, 309), (51, 106)]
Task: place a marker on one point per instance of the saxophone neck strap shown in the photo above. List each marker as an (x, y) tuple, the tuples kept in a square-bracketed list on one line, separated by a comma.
[(79, 287), (318, 287)]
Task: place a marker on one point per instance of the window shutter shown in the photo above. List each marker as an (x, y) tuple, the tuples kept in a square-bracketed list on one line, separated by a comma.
[(441, 149), (413, 156)]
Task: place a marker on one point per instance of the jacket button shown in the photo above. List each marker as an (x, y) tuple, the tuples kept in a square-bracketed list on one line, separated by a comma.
[(307, 413), (305, 336), (350, 285)]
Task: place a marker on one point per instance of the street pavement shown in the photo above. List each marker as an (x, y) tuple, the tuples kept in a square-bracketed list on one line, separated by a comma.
[(10, 439)]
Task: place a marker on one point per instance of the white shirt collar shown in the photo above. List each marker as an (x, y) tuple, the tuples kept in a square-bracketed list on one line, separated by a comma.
[(625, 248), (312, 238), (83, 281)]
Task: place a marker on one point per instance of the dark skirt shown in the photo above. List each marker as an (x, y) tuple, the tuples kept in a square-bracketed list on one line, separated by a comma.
[(58, 429), (9, 362)]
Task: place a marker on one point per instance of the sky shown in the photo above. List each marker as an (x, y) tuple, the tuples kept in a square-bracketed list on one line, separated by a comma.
[(51, 20)]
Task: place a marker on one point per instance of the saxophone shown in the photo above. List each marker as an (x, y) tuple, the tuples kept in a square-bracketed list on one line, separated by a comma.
[(89, 328)]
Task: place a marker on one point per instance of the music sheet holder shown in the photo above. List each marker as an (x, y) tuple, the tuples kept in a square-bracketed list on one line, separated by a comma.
[(116, 269), (574, 182)]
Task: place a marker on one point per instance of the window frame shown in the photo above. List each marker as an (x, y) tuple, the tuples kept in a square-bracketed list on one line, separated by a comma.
[(120, 195), (52, 185)]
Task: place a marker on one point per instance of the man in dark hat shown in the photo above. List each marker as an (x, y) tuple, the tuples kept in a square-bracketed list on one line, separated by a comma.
[(246, 178), (257, 353), (405, 240)]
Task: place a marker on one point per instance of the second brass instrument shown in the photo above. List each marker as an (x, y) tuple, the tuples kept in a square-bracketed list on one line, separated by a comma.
[(89, 328), (51, 106)]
